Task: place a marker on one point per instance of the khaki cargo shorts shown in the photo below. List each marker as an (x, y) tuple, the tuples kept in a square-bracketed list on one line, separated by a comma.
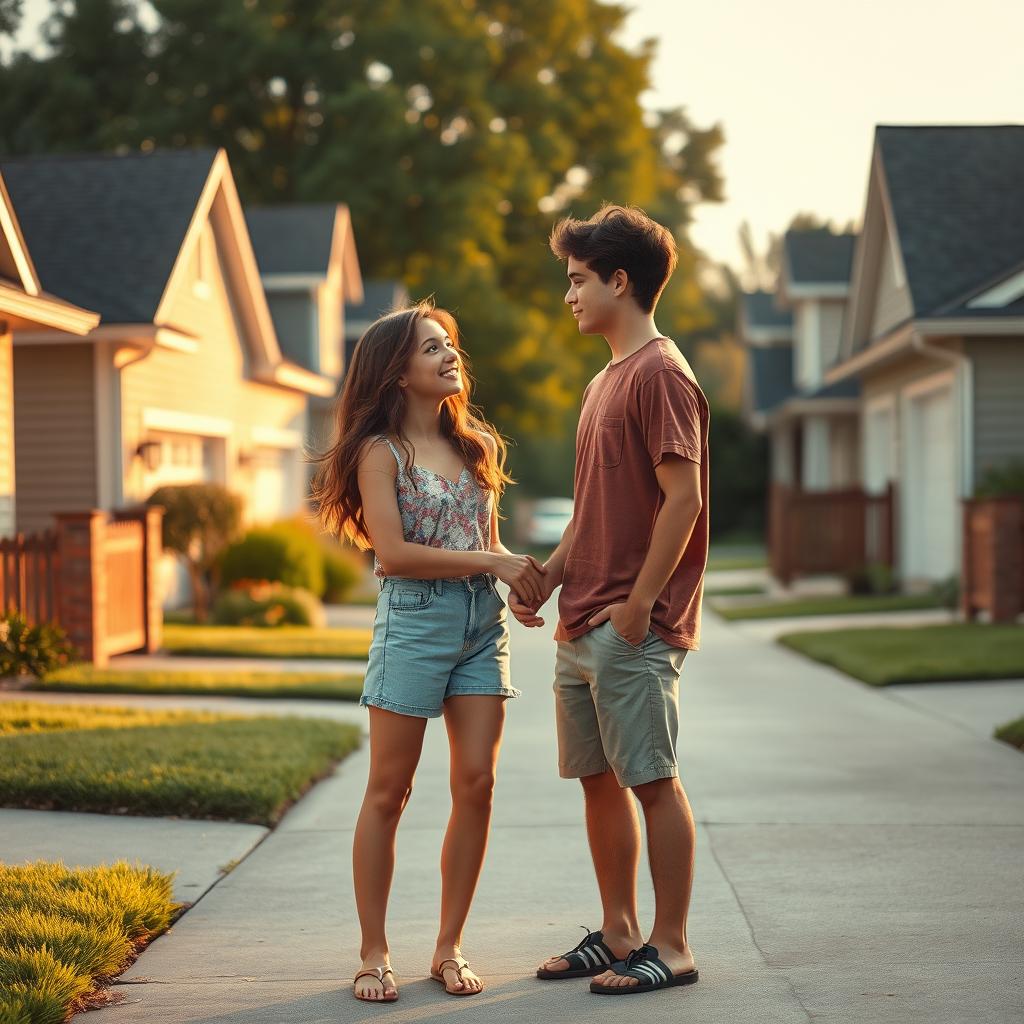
[(617, 706)]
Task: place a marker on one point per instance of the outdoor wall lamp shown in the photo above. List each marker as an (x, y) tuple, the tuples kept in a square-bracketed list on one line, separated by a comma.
[(245, 458), (149, 452)]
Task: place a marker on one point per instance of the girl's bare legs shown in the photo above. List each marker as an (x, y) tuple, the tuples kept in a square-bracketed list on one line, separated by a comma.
[(395, 744), (474, 724)]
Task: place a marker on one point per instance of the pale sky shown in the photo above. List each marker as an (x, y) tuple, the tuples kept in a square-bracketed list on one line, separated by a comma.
[(799, 85)]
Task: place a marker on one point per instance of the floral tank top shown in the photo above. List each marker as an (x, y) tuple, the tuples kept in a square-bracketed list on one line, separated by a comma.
[(439, 513)]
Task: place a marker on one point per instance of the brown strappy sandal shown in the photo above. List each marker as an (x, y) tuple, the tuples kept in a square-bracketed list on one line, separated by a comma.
[(459, 965), (378, 973)]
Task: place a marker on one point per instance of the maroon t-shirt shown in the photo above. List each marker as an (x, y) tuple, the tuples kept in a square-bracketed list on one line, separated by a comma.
[(634, 412)]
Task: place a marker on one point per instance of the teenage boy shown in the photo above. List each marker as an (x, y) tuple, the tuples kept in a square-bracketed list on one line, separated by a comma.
[(631, 567)]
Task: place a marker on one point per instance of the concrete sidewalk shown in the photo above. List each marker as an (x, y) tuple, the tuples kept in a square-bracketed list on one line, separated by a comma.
[(858, 861)]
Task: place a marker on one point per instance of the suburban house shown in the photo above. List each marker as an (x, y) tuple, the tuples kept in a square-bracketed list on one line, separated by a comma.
[(934, 331), (24, 307), (184, 379), (379, 297), (308, 263), (792, 336)]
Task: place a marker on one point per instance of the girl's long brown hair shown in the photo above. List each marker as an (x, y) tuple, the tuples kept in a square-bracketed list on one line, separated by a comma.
[(372, 404)]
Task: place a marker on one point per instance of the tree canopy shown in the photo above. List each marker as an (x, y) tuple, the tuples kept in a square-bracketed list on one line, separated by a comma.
[(457, 131)]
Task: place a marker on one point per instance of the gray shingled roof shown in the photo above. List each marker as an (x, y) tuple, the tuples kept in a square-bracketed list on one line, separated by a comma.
[(759, 310), (104, 230), (817, 256), (378, 298), (771, 376), (293, 238), (958, 202)]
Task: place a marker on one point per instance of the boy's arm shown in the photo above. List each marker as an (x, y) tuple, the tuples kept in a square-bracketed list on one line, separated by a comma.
[(679, 480)]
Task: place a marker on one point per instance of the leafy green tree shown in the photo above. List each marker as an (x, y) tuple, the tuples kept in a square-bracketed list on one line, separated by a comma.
[(200, 521), (456, 130), (10, 16)]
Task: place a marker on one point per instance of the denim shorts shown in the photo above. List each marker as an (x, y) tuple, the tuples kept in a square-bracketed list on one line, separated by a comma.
[(434, 639), (617, 706)]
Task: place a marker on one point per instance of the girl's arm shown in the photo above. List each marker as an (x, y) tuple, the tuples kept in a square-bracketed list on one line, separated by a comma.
[(398, 557)]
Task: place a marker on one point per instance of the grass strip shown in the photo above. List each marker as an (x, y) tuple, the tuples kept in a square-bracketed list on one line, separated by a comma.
[(837, 604), (227, 683), (753, 590), (279, 642), (65, 932), (168, 763), (882, 656), (1012, 733)]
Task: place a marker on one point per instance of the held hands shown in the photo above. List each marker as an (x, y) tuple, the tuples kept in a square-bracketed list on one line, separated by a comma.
[(631, 623), (524, 609), (523, 574)]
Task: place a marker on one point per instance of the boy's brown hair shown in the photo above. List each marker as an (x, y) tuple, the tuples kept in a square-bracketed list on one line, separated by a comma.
[(620, 238)]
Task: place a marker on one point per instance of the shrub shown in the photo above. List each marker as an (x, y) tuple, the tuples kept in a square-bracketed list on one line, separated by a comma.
[(32, 650), (1002, 481), (258, 603), (876, 578), (342, 570), (281, 553)]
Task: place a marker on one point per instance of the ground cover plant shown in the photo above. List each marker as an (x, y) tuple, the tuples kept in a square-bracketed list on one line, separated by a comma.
[(64, 932), (187, 764), (958, 651)]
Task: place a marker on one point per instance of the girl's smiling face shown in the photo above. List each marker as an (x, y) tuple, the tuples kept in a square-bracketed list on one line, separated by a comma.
[(434, 370)]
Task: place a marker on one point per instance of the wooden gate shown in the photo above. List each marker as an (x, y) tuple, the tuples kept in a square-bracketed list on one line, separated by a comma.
[(126, 599), (95, 576), (828, 532)]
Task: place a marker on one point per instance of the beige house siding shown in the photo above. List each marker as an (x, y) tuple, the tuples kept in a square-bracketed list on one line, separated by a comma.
[(892, 298), (205, 389), (998, 401), (7, 524), (54, 432)]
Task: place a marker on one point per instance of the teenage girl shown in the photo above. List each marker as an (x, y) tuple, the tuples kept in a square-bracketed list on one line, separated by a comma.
[(415, 473)]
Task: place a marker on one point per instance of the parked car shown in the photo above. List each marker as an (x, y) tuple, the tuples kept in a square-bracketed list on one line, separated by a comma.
[(548, 521)]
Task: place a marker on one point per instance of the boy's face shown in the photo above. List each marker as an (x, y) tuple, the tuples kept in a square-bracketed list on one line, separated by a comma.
[(594, 303)]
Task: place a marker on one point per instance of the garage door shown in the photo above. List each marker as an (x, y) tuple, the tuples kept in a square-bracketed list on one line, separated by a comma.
[(931, 504)]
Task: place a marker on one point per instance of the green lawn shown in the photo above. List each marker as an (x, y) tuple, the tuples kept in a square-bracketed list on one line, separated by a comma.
[(754, 590), (229, 683), (64, 932), (279, 642), (1012, 733), (836, 604), (916, 655), (188, 764), (738, 554)]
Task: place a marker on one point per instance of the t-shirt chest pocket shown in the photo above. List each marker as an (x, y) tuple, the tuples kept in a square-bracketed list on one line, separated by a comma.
[(609, 441)]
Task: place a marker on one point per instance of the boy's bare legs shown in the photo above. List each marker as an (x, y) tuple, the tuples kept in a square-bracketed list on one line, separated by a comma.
[(670, 845), (613, 831), (395, 744), (474, 726)]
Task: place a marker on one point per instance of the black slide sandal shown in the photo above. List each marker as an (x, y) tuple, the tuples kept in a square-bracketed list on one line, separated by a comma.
[(651, 973), (590, 957)]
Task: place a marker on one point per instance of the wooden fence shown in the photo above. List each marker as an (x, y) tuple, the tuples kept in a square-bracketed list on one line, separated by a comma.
[(29, 575), (94, 575), (828, 532), (993, 558)]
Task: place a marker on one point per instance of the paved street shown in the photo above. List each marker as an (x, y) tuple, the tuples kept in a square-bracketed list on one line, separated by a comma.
[(858, 861)]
